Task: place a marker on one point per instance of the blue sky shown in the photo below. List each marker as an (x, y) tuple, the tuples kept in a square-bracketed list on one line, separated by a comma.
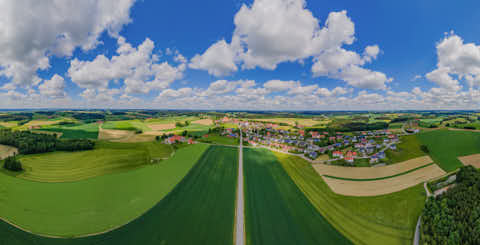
[(232, 54)]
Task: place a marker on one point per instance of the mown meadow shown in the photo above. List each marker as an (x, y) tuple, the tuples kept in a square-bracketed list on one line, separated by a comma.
[(106, 158), (95, 204)]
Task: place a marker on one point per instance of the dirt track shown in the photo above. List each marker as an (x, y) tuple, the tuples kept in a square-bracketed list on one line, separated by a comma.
[(385, 186), (371, 172)]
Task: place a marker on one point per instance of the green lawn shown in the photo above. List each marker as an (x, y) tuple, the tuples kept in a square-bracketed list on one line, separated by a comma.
[(95, 204), (409, 148), (106, 158), (387, 219), (83, 131), (276, 211), (446, 146)]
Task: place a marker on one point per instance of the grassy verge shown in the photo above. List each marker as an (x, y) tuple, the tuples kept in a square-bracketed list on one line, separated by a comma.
[(276, 211), (386, 219), (386, 177), (446, 146), (92, 205)]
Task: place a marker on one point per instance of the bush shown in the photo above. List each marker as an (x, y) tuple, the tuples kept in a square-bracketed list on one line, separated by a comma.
[(424, 148), (12, 164)]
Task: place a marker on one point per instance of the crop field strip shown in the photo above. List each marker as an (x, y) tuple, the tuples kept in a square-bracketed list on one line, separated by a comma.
[(276, 211), (199, 210), (371, 172), (384, 186), (378, 220), (381, 178), (445, 146), (95, 204)]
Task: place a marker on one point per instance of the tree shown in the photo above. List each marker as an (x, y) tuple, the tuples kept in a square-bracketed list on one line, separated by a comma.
[(424, 148), (184, 133), (157, 138)]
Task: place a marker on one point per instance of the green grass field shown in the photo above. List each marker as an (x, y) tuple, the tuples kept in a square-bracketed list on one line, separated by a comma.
[(395, 125), (132, 125), (446, 146), (220, 140), (92, 205), (408, 148), (276, 211), (106, 158), (200, 210), (83, 131), (387, 219)]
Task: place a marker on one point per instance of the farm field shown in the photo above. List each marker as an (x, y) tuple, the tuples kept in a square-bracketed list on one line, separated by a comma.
[(378, 220), (473, 160), (6, 151), (446, 146), (276, 211), (220, 140), (307, 122), (206, 122), (371, 172), (395, 125), (113, 134), (210, 185), (409, 148), (95, 204), (131, 125), (83, 131), (172, 119), (383, 186), (106, 158)]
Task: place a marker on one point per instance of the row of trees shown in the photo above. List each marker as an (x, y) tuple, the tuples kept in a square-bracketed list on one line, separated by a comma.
[(31, 143), (454, 217)]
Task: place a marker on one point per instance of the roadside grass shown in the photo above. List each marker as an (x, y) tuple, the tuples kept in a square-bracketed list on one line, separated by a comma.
[(92, 205), (106, 158), (386, 219), (83, 131), (446, 146), (276, 211), (408, 148), (199, 210)]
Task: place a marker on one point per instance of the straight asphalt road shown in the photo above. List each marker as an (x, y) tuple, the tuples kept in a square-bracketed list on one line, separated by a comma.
[(240, 217)]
